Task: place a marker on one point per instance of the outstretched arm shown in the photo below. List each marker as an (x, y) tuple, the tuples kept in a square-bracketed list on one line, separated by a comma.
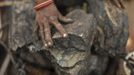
[(49, 15)]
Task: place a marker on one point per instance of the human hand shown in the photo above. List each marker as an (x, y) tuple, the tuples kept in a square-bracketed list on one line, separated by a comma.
[(50, 16)]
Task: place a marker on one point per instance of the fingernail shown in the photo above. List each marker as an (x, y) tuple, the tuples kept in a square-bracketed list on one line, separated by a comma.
[(46, 45), (71, 20), (49, 43), (65, 35)]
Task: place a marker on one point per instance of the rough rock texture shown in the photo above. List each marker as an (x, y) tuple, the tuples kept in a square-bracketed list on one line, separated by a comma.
[(92, 38), (112, 26), (23, 23), (72, 55)]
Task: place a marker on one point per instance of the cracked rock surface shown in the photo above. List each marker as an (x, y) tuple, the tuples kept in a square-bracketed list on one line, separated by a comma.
[(99, 32)]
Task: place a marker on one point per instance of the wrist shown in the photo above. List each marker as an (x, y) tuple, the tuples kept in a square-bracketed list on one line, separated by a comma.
[(43, 4), (39, 1)]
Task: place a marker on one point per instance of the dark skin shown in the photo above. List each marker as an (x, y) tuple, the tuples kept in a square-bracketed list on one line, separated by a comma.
[(45, 17), (50, 15)]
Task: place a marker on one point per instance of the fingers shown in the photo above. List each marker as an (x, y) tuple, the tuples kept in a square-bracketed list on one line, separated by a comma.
[(41, 31), (64, 19), (47, 32), (59, 27)]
